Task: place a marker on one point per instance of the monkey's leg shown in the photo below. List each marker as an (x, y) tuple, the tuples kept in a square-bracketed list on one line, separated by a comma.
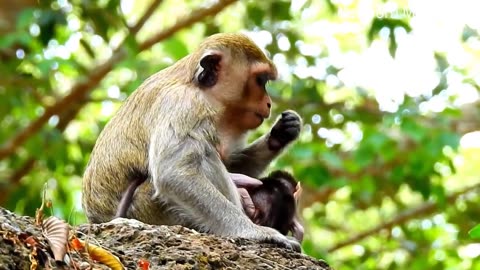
[(253, 160)]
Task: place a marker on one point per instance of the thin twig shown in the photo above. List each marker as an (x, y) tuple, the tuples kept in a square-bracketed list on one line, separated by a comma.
[(143, 19), (194, 17)]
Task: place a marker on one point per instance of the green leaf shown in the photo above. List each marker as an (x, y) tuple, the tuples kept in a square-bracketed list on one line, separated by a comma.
[(469, 32), (438, 192), (379, 23), (25, 18), (314, 176), (392, 45), (132, 45), (255, 14), (413, 130), (450, 139), (302, 152), (331, 6), (175, 48), (364, 156), (375, 27), (7, 40), (475, 232), (332, 160), (281, 11)]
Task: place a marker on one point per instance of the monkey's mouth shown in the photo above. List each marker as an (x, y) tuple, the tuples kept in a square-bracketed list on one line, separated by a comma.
[(259, 116)]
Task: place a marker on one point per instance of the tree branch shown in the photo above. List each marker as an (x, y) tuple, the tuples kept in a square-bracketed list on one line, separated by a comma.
[(403, 217), (16, 176), (148, 13), (195, 16), (82, 88)]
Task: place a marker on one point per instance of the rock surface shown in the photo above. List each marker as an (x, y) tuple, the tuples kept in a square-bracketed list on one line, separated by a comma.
[(133, 242)]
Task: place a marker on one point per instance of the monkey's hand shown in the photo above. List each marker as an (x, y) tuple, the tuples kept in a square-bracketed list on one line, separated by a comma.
[(247, 203), (242, 182), (285, 130), (270, 235)]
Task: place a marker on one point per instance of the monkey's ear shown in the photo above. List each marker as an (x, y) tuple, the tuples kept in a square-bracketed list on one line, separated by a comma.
[(209, 66), (298, 192)]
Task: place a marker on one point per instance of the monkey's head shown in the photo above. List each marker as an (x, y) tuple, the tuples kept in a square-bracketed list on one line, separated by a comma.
[(233, 72)]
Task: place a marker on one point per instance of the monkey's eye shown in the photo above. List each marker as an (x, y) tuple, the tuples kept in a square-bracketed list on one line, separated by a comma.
[(262, 79)]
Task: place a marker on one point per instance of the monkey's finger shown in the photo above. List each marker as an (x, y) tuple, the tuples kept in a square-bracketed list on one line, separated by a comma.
[(241, 180), (291, 121), (287, 242), (290, 117), (295, 245), (247, 202), (288, 121), (293, 131)]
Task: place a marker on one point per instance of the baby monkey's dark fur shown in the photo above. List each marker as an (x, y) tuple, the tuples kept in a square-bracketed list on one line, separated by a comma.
[(275, 202)]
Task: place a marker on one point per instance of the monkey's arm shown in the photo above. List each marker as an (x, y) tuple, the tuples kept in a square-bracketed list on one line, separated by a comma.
[(253, 160), (190, 178)]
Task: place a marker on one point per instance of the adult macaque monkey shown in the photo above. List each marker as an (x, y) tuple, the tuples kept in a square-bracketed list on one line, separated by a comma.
[(176, 129)]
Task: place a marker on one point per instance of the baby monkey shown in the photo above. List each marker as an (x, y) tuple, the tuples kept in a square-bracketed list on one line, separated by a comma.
[(274, 202)]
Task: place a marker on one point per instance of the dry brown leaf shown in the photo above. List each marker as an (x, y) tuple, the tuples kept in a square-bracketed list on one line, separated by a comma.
[(56, 232), (100, 254)]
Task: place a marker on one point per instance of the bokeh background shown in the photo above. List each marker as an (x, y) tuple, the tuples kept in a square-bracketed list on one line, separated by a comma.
[(389, 91)]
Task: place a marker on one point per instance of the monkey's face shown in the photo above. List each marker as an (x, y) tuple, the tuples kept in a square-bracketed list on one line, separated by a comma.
[(238, 85), (256, 101)]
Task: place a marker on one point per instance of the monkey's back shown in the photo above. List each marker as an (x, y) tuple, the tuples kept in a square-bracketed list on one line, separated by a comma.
[(120, 154), (116, 158)]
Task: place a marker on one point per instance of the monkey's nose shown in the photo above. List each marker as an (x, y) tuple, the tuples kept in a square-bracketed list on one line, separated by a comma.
[(269, 105)]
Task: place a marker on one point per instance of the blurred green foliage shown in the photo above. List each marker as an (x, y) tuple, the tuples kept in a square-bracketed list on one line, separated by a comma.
[(387, 183)]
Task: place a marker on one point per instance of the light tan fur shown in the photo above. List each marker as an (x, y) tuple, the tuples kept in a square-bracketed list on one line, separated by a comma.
[(170, 132)]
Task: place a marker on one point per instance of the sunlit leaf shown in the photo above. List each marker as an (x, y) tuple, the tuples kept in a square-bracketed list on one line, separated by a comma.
[(281, 10), (175, 48), (25, 18), (475, 232), (255, 14)]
